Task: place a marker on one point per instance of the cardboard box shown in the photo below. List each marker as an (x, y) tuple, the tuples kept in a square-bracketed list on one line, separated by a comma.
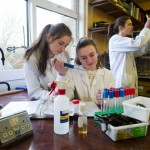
[(133, 110)]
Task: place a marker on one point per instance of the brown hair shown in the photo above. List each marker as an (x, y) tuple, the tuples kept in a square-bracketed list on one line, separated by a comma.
[(114, 28), (83, 42), (41, 45)]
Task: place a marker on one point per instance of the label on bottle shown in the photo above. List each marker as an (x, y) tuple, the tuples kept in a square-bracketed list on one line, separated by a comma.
[(64, 116)]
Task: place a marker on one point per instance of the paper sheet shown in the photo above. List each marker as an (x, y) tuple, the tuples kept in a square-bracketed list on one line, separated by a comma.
[(43, 108), (15, 106)]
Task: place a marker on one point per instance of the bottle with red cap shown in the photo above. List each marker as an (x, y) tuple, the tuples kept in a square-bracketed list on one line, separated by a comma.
[(76, 109), (61, 113)]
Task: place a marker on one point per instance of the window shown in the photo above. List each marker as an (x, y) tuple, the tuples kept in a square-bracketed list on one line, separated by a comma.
[(12, 33), (65, 3), (48, 12), (21, 24)]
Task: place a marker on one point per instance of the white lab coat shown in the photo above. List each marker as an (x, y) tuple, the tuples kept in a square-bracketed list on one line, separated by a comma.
[(122, 51), (37, 84), (79, 86)]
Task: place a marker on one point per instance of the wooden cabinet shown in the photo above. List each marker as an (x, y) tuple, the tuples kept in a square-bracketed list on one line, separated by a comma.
[(112, 8), (144, 87)]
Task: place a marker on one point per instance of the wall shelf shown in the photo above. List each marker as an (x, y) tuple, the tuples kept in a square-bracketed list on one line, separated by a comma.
[(102, 30), (113, 9)]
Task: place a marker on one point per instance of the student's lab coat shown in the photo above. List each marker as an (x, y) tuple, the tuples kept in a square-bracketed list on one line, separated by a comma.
[(79, 86), (37, 84), (122, 51)]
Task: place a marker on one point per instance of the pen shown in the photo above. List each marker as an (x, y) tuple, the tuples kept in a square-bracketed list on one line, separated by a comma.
[(72, 66)]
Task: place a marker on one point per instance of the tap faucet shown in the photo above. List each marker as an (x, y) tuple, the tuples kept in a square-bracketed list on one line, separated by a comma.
[(3, 58), (6, 83)]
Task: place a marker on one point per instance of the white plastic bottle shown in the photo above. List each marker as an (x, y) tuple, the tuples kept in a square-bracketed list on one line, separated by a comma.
[(61, 113)]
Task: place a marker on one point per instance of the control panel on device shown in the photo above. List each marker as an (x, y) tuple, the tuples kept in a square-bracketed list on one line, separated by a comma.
[(14, 127)]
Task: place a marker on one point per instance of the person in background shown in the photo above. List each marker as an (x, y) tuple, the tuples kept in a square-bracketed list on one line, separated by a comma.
[(123, 49), (85, 82), (51, 43)]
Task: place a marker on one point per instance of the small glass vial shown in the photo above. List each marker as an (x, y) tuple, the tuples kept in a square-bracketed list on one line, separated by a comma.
[(76, 109), (82, 120)]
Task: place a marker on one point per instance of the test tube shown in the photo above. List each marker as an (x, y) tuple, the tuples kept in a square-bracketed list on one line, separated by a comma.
[(116, 101), (102, 102), (111, 96), (106, 103), (121, 94), (125, 93), (132, 92)]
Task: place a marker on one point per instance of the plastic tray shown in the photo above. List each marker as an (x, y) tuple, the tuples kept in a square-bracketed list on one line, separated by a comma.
[(132, 110)]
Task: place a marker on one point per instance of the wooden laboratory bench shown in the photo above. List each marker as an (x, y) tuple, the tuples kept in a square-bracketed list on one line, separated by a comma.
[(43, 137)]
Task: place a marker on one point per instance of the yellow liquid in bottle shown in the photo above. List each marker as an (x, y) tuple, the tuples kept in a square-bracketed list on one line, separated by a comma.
[(83, 129)]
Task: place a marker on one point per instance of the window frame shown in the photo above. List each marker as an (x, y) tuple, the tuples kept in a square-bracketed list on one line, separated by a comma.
[(49, 6)]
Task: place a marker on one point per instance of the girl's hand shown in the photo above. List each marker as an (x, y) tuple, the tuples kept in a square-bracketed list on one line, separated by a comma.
[(99, 97), (58, 65), (53, 96)]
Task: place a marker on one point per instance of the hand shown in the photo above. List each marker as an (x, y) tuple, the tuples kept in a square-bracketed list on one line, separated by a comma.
[(58, 65), (53, 96), (99, 97), (147, 24)]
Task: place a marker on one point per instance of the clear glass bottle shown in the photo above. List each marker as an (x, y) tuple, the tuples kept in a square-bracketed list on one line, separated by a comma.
[(82, 120)]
